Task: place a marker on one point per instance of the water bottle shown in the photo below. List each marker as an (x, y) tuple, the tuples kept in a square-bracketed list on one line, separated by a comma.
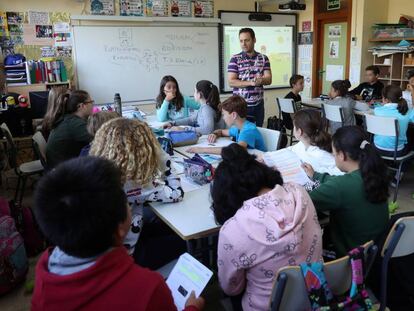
[(118, 104)]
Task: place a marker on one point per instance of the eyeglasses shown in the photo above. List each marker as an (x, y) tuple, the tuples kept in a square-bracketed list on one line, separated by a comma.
[(89, 102)]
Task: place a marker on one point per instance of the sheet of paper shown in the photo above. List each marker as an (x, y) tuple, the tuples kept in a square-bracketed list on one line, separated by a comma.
[(334, 72), (221, 142), (188, 185), (187, 275), (39, 18), (288, 164)]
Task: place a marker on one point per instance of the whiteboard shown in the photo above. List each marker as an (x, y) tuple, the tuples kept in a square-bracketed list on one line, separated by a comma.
[(132, 60)]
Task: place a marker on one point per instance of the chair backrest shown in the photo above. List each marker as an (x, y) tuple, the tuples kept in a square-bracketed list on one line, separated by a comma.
[(286, 105), (294, 295), (385, 126), (404, 245), (11, 147), (39, 144), (271, 138), (333, 113)]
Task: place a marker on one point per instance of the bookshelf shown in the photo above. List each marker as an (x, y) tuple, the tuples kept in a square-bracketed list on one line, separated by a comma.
[(394, 68)]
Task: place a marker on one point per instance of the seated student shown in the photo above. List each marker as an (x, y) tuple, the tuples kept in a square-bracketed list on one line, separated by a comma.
[(82, 209), (356, 201), (297, 84), (244, 132), (146, 172), (372, 88), (171, 104), (54, 110), (208, 117), (266, 225), (94, 123), (396, 107), (314, 146), (338, 95), (69, 134), (408, 94)]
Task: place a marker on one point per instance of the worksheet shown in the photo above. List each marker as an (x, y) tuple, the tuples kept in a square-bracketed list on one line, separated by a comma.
[(288, 164), (187, 275)]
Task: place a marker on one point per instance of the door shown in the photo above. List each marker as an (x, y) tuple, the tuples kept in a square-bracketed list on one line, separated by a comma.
[(334, 54)]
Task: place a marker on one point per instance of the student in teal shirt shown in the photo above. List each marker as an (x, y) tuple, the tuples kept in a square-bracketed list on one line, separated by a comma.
[(171, 104), (244, 132), (396, 107)]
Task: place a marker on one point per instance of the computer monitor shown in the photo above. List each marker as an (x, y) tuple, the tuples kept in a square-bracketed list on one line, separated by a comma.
[(38, 103)]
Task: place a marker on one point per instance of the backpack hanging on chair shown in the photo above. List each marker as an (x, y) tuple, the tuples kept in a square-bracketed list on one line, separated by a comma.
[(320, 294)]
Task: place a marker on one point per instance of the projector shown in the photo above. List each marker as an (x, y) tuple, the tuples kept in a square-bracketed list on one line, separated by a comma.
[(261, 17), (293, 5)]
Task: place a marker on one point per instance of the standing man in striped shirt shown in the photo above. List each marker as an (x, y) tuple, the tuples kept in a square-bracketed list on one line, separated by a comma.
[(248, 71)]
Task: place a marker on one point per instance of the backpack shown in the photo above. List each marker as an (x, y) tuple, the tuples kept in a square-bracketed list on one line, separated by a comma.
[(274, 123), (166, 145), (13, 260), (14, 60), (26, 224), (321, 296)]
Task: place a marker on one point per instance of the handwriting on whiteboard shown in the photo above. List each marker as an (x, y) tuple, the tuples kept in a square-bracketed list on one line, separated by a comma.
[(173, 50)]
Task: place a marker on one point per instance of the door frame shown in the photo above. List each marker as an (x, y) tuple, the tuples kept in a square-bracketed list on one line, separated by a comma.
[(321, 18)]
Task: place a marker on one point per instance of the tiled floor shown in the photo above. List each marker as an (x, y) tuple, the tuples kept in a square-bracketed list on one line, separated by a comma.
[(19, 300)]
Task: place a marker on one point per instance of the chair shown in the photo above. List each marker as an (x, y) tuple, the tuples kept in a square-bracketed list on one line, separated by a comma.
[(289, 290), (39, 145), (398, 243), (387, 126), (286, 105), (25, 170), (332, 113), (271, 138)]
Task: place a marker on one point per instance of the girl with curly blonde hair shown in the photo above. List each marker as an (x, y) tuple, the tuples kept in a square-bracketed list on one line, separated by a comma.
[(145, 168)]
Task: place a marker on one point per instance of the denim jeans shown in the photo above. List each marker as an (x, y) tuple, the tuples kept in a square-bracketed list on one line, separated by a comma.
[(257, 112)]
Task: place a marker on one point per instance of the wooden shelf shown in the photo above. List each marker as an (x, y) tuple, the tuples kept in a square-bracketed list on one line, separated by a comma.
[(390, 39), (408, 65), (168, 19), (383, 65)]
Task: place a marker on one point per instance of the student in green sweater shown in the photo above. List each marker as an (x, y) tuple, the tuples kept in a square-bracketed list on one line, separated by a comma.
[(356, 201), (69, 134)]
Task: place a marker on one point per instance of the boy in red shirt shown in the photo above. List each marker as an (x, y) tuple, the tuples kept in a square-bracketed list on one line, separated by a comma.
[(82, 209)]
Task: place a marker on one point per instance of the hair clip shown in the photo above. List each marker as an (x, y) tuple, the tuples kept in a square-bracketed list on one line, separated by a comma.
[(363, 144)]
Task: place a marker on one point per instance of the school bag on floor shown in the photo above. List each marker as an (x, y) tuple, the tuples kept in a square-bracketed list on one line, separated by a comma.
[(13, 260), (26, 224), (321, 296)]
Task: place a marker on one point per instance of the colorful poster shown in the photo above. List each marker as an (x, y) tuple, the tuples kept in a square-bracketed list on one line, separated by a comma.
[(131, 7), (102, 7), (181, 8), (4, 29), (39, 18), (204, 8), (306, 26), (31, 37), (62, 34), (15, 27), (44, 31), (157, 8)]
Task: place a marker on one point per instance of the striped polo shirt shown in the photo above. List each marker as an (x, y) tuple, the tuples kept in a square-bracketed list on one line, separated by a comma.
[(247, 69)]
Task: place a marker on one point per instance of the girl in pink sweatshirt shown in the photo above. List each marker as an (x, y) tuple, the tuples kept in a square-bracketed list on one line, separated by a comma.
[(267, 225)]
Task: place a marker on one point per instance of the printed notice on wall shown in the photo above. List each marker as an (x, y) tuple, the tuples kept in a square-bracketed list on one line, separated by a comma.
[(181, 8), (131, 7)]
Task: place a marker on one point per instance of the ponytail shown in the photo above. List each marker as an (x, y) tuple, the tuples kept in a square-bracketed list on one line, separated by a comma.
[(310, 122), (394, 95), (211, 94), (352, 141), (71, 103), (341, 86)]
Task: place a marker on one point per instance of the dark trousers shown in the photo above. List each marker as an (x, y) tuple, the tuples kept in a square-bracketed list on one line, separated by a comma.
[(256, 113)]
